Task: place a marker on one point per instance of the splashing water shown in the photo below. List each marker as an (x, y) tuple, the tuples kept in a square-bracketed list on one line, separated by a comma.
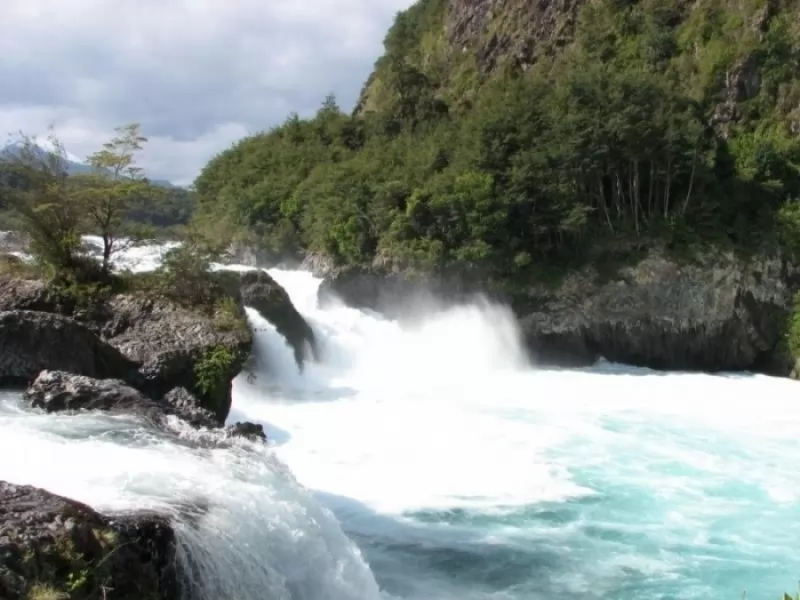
[(464, 473), (460, 471)]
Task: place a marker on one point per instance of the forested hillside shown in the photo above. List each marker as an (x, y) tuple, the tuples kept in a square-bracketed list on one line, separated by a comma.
[(518, 132)]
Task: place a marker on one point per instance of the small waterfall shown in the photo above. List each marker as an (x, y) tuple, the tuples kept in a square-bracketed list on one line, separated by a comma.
[(246, 529)]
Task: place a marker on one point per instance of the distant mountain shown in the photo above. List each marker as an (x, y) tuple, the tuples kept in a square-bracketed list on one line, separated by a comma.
[(74, 165), (174, 208)]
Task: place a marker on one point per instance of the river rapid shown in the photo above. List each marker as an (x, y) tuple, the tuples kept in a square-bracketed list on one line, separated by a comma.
[(428, 460)]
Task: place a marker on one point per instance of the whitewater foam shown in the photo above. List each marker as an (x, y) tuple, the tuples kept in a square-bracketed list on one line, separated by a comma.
[(461, 471), (438, 437), (245, 528)]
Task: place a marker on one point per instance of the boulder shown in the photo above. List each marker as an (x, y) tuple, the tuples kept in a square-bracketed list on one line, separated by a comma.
[(174, 346), (31, 342), (57, 391), (251, 431), (181, 402), (262, 293), (715, 314), (26, 294), (54, 547)]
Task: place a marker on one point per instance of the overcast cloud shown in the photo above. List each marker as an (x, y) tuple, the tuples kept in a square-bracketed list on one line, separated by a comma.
[(198, 74)]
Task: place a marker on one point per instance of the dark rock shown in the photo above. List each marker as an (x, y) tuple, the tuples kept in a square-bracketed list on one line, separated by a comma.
[(50, 543), (318, 264), (252, 431), (262, 293), (56, 391), (170, 343), (27, 294), (185, 405), (31, 342), (719, 313)]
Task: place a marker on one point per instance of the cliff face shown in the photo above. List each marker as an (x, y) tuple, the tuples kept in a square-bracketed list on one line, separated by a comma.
[(514, 30), (458, 44)]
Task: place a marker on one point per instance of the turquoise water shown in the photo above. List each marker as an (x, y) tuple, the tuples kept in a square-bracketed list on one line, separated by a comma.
[(462, 472), (436, 463)]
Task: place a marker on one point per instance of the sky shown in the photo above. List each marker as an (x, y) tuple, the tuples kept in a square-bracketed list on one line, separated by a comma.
[(197, 74)]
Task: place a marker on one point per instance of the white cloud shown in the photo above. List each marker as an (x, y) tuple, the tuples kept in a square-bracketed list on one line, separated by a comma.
[(198, 74)]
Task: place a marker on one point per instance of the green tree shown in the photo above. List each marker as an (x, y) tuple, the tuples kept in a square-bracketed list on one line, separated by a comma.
[(109, 193), (38, 191)]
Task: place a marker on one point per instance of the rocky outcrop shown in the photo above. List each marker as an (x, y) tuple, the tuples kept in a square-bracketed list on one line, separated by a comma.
[(31, 342), (57, 391), (52, 547), (510, 29), (181, 402), (173, 346), (716, 313), (251, 431), (262, 293), (153, 344)]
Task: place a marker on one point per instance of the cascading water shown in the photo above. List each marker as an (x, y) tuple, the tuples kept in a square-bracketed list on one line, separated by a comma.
[(246, 529), (461, 472)]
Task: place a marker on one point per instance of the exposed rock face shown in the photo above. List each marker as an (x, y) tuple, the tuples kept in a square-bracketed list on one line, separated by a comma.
[(167, 342), (720, 313), (57, 391), (251, 431), (33, 341), (183, 403), (398, 293), (516, 29), (26, 294), (51, 545), (262, 293)]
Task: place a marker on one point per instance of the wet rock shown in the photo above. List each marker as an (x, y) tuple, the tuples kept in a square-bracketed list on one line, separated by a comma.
[(184, 404), (54, 547), (174, 346), (262, 293), (57, 391), (718, 313), (252, 431), (31, 342)]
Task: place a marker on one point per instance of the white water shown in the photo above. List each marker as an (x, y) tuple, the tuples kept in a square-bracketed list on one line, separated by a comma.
[(458, 470)]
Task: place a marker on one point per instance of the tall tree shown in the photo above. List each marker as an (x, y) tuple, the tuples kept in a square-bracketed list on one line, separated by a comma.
[(110, 192), (36, 189)]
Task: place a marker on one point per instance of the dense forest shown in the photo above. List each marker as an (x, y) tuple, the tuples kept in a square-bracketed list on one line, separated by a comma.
[(622, 123)]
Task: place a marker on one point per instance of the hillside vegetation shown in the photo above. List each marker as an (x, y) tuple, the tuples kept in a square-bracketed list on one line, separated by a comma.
[(516, 134)]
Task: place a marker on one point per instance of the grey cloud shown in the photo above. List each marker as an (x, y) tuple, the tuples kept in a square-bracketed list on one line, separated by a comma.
[(198, 74)]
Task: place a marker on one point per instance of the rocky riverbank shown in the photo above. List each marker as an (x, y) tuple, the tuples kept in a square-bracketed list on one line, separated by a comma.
[(715, 312), (136, 353), (52, 547)]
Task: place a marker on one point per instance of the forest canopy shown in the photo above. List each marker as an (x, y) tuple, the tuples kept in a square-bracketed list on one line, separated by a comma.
[(657, 120)]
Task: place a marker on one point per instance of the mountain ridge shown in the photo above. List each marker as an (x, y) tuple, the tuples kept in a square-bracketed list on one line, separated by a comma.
[(74, 166)]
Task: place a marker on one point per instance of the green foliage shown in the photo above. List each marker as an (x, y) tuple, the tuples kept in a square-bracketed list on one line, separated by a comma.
[(184, 276), (626, 133), (214, 370), (35, 187), (107, 195), (40, 591), (64, 572), (793, 328), (229, 316)]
